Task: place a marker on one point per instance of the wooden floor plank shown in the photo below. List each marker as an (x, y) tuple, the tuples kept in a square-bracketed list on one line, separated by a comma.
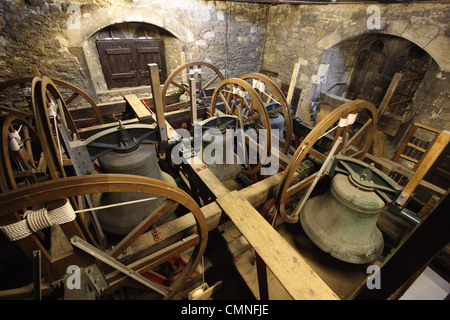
[(288, 266)]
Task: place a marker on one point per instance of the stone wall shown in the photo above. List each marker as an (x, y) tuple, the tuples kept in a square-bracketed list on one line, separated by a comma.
[(56, 35), (236, 37), (304, 33)]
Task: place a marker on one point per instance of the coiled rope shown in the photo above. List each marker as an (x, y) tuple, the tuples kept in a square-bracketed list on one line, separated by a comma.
[(35, 220)]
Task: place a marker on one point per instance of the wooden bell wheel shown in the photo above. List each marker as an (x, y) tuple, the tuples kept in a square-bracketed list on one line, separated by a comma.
[(206, 75), (237, 97), (73, 93), (21, 151), (49, 192), (338, 121), (270, 92), (44, 94)]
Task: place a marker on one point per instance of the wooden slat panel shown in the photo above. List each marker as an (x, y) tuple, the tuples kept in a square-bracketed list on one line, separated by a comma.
[(148, 49), (118, 51), (125, 75)]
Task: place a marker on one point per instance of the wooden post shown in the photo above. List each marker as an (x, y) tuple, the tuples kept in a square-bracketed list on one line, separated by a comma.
[(389, 93), (183, 72), (292, 84), (433, 153), (157, 100), (262, 278), (193, 98), (35, 69)]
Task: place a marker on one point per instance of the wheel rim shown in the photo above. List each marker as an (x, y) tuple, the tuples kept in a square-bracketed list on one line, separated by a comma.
[(286, 190), (177, 74), (50, 191), (76, 92), (234, 102), (10, 124), (281, 100)]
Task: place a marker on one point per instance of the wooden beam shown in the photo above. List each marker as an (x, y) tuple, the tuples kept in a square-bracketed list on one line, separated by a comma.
[(139, 108), (157, 100), (292, 83), (207, 176), (433, 153), (288, 266), (183, 72), (414, 253), (193, 99), (389, 93)]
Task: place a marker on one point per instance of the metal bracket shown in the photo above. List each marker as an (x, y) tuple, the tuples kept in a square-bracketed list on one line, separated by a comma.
[(96, 278), (86, 247)]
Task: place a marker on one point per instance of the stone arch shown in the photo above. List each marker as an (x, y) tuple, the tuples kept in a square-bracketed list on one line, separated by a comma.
[(434, 47), (100, 18), (93, 21), (346, 72)]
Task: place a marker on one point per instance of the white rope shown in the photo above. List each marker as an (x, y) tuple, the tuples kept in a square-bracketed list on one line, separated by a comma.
[(271, 98), (343, 122), (40, 219), (117, 204), (14, 143), (37, 220), (332, 129)]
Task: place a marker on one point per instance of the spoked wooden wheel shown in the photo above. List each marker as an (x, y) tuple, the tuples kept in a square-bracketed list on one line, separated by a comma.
[(142, 260), (206, 78), (46, 97), (71, 94), (340, 120), (236, 97), (21, 151), (273, 96)]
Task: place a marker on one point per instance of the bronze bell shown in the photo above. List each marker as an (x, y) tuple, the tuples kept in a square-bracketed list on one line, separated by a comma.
[(343, 221), (216, 146), (141, 161)]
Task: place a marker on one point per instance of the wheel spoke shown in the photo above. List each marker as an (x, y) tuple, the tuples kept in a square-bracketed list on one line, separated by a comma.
[(142, 227), (285, 189)]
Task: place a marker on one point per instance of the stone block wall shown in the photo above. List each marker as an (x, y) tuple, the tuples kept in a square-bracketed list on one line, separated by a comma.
[(304, 33), (236, 37), (56, 35)]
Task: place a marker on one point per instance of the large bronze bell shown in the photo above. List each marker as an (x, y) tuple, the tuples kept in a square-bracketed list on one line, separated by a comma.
[(343, 221), (144, 162)]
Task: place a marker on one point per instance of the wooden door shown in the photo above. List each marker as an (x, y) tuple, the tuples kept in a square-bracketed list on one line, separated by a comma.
[(125, 61), (150, 51)]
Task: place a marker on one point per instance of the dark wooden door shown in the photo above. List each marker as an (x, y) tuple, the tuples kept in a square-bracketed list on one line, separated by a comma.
[(125, 61), (367, 77), (150, 52)]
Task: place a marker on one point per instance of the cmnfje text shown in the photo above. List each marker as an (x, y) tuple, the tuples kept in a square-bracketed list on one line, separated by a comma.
[(230, 309)]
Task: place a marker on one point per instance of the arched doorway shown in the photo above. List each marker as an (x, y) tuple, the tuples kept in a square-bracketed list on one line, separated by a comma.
[(377, 63), (126, 49), (363, 67)]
